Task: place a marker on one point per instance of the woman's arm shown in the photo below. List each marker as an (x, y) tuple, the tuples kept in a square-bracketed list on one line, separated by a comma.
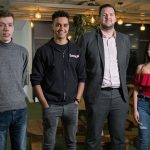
[(135, 94), (136, 113)]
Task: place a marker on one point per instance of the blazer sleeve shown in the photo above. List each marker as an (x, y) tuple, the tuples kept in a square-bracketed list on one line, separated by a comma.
[(82, 44), (128, 51), (81, 67)]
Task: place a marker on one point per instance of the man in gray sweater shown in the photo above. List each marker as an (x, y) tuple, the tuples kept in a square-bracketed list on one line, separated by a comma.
[(13, 68)]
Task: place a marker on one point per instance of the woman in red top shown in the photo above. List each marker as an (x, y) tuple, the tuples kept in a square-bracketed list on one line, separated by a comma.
[(142, 101)]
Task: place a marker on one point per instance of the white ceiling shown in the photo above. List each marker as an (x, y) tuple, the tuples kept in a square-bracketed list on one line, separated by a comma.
[(134, 11)]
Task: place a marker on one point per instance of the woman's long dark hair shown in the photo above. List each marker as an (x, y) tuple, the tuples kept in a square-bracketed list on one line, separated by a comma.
[(147, 58)]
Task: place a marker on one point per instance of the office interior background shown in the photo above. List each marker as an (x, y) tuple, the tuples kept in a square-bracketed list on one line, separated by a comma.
[(33, 25)]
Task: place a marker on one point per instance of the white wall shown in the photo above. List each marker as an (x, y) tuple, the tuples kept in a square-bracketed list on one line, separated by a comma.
[(23, 36)]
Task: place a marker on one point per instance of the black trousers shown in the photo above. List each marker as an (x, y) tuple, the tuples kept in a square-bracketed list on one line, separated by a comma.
[(108, 105)]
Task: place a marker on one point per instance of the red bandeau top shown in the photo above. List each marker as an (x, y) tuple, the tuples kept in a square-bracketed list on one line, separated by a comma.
[(143, 80)]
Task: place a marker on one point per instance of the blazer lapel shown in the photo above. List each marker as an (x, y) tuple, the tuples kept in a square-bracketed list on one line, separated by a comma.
[(119, 49), (100, 46)]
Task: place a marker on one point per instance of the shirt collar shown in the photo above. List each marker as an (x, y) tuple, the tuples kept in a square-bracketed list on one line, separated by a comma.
[(6, 44), (105, 36)]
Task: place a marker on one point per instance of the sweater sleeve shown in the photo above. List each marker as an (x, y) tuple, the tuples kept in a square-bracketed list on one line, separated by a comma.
[(37, 68)]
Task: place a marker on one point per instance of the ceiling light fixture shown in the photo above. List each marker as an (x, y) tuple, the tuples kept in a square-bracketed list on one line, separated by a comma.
[(142, 27), (92, 20), (69, 37), (120, 21), (38, 14), (89, 3), (31, 24)]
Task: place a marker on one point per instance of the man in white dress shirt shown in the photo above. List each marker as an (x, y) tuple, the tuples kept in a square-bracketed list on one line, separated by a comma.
[(107, 56)]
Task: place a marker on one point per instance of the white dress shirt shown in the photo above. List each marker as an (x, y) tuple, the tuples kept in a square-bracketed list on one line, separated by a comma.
[(111, 74)]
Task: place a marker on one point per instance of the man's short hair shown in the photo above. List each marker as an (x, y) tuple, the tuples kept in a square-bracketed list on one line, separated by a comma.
[(59, 13), (104, 6), (6, 13)]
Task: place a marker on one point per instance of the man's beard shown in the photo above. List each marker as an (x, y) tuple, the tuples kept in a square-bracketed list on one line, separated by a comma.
[(107, 27)]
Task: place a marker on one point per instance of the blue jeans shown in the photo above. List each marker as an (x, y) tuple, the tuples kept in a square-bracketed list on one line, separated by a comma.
[(144, 123), (69, 117), (14, 122)]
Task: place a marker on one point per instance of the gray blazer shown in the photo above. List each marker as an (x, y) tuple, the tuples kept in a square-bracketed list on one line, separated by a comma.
[(93, 49)]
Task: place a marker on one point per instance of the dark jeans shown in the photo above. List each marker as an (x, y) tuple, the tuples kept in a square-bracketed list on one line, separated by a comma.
[(69, 117), (144, 125), (109, 104), (14, 121)]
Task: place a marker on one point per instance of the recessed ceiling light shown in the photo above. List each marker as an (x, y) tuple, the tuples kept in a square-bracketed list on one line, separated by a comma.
[(128, 24), (92, 9), (131, 34)]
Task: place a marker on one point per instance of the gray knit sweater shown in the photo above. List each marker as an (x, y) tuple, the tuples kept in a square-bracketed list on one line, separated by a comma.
[(13, 70)]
